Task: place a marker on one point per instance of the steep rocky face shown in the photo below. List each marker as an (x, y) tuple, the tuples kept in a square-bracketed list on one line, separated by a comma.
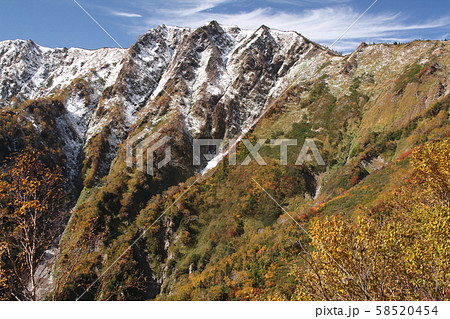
[(222, 78), (72, 78), (29, 71), (209, 82), (19, 62)]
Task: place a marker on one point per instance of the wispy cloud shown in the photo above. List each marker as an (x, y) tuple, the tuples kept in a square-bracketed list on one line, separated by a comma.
[(193, 7), (125, 14), (324, 24), (306, 2)]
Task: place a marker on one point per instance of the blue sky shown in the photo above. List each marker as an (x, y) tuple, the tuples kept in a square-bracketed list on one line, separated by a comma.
[(61, 23)]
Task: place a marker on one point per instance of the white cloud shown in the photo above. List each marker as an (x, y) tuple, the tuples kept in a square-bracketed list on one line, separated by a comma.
[(306, 2), (125, 14), (323, 25)]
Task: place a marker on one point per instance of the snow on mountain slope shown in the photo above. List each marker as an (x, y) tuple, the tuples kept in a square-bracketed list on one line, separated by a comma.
[(212, 81), (225, 67), (29, 71)]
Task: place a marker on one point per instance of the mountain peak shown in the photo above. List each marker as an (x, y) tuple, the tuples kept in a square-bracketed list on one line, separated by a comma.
[(213, 24)]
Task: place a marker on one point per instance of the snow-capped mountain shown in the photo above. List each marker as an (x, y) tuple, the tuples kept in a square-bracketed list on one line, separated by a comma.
[(213, 80)]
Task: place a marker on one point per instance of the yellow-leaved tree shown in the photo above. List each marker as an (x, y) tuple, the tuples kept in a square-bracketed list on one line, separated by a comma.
[(31, 198), (402, 253)]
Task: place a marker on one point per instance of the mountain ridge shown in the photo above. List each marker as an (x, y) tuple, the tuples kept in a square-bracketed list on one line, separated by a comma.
[(114, 71)]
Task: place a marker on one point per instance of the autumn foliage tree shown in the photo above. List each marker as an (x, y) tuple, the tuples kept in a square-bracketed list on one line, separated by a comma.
[(399, 253), (31, 198)]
